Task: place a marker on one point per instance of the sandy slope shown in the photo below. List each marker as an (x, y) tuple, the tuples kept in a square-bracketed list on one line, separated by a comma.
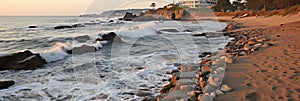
[(264, 21), (270, 74)]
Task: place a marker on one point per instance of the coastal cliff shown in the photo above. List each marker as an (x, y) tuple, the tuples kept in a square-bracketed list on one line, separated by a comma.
[(173, 13), (170, 12)]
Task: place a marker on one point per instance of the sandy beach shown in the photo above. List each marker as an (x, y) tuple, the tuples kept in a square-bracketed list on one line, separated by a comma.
[(269, 74)]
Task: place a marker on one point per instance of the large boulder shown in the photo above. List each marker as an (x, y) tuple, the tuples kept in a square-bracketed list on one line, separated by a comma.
[(6, 84), (21, 61), (110, 37), (82, 49), (128, 16), (62, 27), (32, 26)]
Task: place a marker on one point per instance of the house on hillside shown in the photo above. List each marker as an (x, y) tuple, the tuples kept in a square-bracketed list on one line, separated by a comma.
[(198, 3)]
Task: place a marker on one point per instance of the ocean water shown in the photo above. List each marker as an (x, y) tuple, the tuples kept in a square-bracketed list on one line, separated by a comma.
[(115, 70)]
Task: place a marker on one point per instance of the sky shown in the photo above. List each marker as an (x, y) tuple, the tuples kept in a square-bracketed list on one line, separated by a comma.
[(70, 7)]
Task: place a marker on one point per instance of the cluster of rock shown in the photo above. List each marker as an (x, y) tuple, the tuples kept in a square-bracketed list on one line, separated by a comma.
[(203, 81), (5, 84), (27, 60), (173, 12), (128, 17), (21, 61), (170, 12), (246, 42), (108, 38), (197, 82)]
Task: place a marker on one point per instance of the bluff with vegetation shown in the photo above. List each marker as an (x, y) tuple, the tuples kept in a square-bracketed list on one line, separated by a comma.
[(172, 12), (254, 5)]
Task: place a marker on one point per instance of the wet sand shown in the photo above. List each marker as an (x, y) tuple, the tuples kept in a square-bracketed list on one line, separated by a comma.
[(269, 74)]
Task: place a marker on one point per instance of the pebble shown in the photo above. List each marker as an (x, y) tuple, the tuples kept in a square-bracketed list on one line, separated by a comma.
[(225, 88), (219, 92), (229, 60)]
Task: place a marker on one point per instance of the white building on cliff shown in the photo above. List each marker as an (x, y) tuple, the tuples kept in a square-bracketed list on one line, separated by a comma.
[(198, 3)]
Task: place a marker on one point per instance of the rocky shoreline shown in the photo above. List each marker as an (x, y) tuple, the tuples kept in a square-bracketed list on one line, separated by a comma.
[(203, 81), (28, 60)]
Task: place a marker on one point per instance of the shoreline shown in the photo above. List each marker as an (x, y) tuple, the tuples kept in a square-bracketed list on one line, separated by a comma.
[(270, 73)]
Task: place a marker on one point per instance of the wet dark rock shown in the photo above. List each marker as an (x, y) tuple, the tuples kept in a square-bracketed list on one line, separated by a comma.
[(128, 93), (110, 37), (102, 96), (32, 26), (21, 61), (206, 53), (232, 26), (200, 34), (6, 84), (144, 93), (82, 49), (82, 39), (168, 30), (111, 21), (187, 30), (128, 16), (62, 27), (78, 25), (149, 98)]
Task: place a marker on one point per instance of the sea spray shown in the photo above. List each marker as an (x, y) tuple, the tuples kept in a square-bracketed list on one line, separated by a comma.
[(57, 52)]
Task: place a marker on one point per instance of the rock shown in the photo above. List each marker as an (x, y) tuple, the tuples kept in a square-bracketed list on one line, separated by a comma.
[(266, 45), (207, 97), (205, 61), (82, 49), (252, 42), (202, 83), (168, 30), (187, 30), (172, 13), (187, 87), (82, 39), (167, 88), (209, 89), (149, 98), (263, 38), (102, 96), (232, 26), (213, 34), (225, 88), (229, 60), (128, 17), (111, 21), (206, 69), (219, 92), (144, 93), (32, 26), (206, 53), (199, 97), (62, 27), (200, 34), (78, 25), (110, 37), (214, 80), (247, 47), (6, 84), (150, 18), (21, 61), (191, 94)]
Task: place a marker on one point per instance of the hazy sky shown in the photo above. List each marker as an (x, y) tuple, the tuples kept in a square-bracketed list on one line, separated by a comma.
[(70, 7)]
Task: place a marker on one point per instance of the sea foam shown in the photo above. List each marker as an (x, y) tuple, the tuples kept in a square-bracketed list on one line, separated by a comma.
[(57, 52)]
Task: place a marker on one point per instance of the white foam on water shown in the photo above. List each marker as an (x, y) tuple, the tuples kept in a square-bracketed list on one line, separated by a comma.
[(57, 52), (137, 31), (4, 54)]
